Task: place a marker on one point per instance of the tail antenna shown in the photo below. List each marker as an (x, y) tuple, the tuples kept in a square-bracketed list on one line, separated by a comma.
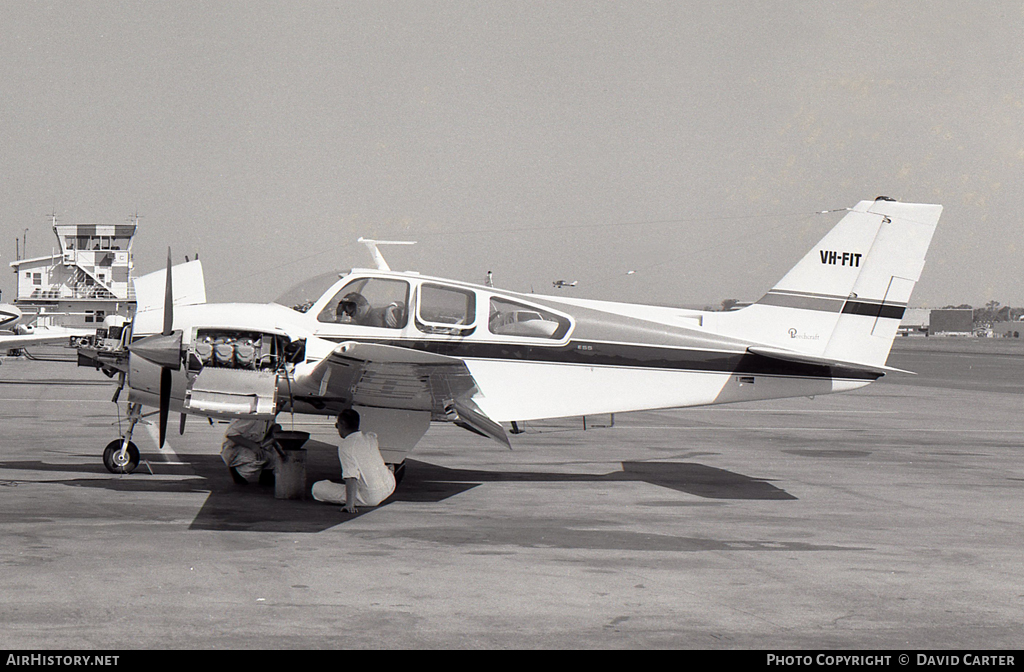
[(371, 245)]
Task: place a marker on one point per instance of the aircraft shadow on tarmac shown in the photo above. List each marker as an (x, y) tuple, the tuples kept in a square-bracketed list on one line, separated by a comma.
[(254, 508)]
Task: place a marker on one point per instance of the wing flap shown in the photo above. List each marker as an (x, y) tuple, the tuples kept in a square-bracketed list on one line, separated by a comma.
[(468, 416), (386, 376)]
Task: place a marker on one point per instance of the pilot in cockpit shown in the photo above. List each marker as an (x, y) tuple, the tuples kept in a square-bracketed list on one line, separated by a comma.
[(353, 309)]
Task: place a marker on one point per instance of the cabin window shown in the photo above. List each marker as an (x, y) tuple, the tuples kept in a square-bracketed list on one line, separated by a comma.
[(446, 310), (509, 318), (370, 302)]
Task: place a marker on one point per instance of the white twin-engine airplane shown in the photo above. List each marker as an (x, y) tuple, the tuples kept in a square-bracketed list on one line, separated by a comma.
[(406, 349)]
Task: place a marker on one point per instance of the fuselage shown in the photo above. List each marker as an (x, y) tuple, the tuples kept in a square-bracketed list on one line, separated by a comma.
[(531, 356)]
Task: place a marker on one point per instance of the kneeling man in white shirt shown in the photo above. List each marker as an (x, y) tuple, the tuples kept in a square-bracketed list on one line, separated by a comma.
[(367, 480)]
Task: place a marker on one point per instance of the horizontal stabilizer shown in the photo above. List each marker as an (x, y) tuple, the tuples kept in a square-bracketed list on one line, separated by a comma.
[(801, 358)]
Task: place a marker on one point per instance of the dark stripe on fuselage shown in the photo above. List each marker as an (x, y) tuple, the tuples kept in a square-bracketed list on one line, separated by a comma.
[(832, 304), (874, 309), (589, 353)]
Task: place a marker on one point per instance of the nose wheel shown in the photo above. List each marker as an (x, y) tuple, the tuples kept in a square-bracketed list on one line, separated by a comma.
[(121, 456), (118, 461)]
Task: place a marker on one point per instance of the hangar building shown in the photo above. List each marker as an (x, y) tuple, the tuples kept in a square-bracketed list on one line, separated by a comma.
[(1008, 329), (952, 321)]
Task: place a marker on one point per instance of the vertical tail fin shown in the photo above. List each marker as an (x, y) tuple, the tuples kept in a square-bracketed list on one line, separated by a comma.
[(845, 298)]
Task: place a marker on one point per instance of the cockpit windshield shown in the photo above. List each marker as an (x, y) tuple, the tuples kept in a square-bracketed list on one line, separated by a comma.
[(303, 295)]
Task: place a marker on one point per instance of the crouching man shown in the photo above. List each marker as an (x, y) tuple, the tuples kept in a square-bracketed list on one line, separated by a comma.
[(249, 449), (367, 480)]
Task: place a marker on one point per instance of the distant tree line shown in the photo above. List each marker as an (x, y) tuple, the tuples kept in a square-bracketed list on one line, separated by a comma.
[(992, 312)]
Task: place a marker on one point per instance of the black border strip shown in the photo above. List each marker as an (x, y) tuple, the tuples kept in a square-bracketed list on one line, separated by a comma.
[(625, 355), (874, 309)]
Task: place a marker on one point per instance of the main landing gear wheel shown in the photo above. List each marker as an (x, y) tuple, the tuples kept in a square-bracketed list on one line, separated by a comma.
[(117, 462)]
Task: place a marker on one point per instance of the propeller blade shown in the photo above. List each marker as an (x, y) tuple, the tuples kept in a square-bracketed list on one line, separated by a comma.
[(165, 402), (168, 299), (181, 425)]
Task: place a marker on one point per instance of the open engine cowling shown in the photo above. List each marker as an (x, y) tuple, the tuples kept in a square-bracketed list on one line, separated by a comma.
[(247, 350)]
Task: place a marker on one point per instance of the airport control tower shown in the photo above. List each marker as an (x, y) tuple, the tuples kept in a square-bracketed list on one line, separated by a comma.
[(84, 280)]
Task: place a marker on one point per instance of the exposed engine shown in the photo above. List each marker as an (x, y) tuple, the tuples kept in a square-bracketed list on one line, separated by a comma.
[(250, 350)]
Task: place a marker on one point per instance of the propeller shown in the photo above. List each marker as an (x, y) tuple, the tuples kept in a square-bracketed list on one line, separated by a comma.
[(165, 373), (164, 350)]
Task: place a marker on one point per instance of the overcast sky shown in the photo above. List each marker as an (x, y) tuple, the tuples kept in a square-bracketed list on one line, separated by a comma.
[(691, 142)]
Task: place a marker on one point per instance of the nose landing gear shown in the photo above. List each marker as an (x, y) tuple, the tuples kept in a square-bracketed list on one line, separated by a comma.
[(121, 456)]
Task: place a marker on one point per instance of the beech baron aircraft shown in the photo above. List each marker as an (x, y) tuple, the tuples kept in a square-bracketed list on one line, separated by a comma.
[(406, 350)]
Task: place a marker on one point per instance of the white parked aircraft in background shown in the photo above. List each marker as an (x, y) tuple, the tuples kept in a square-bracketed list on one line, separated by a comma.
[(9, 315), (406, 349), (16, 334)]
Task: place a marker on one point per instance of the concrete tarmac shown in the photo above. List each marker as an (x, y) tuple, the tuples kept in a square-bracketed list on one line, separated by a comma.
[(886, 518)]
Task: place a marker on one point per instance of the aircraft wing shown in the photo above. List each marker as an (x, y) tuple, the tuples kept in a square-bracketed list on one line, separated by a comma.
[(41, 336), (385, 376), (801, 358)]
